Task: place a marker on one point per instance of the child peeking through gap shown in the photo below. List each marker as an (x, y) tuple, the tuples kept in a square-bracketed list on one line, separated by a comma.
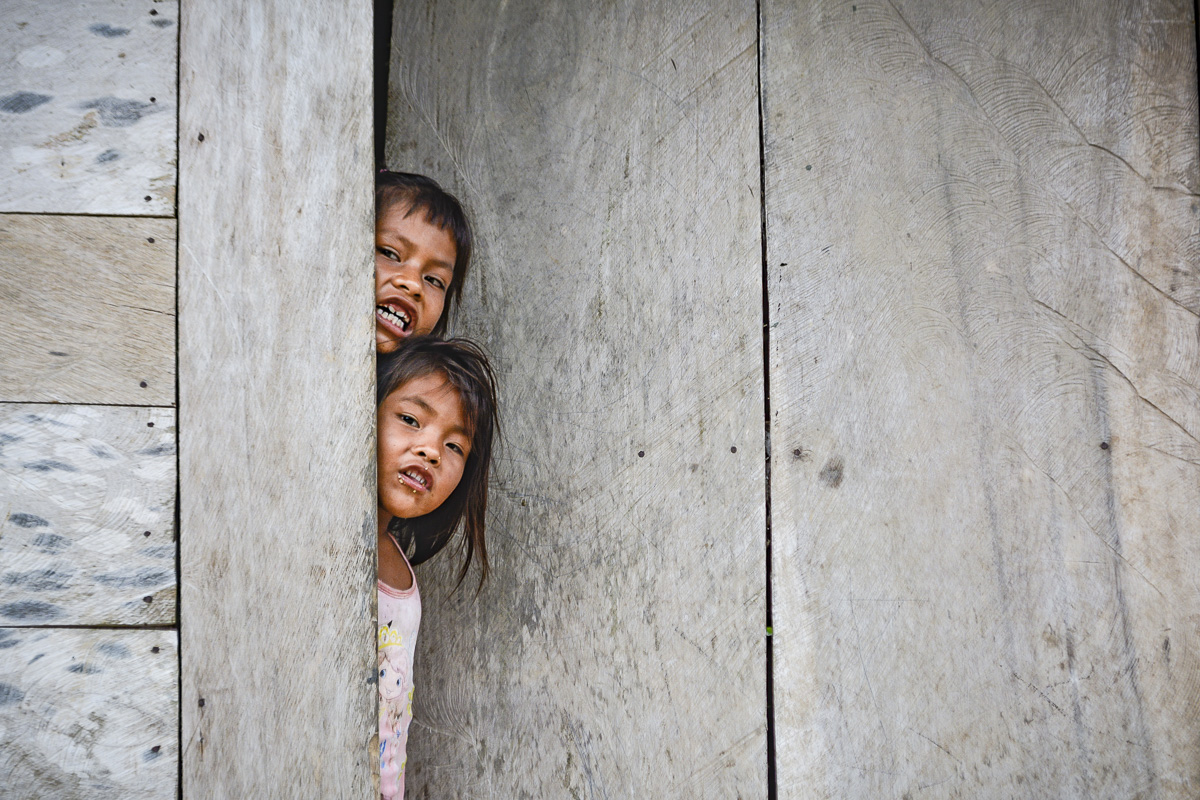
[(422, 254), (436, 418)]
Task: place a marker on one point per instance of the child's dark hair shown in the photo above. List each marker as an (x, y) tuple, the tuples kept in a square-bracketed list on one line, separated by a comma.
[(466, 369), (424, 195)]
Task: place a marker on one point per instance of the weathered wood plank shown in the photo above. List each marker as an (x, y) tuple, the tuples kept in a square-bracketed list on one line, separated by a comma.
[(89, 310), (277, 406), (87, 107), (982, 237), (87, 535), (88, 714), (609, 154)]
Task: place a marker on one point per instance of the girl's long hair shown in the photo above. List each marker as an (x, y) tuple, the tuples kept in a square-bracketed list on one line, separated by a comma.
[(466, 368)]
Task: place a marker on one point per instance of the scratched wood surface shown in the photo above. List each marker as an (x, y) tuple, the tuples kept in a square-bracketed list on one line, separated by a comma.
[(983, 243), (88, 713), (87, 535), (87, 106), (608, 154), (88, 305), (277, 416)]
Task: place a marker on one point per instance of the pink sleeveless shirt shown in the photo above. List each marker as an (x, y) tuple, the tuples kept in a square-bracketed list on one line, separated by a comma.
[(399, 619)]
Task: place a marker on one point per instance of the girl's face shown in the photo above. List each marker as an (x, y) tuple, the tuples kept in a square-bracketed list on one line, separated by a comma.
[(414, 264), (423, 446)]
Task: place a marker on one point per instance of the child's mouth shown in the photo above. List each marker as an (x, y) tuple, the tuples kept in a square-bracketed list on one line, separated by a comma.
[(396, 317), (415, 479)]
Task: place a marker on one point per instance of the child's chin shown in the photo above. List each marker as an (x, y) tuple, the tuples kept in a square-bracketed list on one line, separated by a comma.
[(404, 509)]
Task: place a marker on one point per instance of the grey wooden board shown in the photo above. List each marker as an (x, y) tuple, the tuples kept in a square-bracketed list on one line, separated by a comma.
[(89, 310), (88, 713), (87, 106), (277, 409), (982, 237), (609, 157), (87, 532)]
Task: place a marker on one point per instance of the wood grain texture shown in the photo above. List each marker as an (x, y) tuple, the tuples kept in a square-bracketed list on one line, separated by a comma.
[(982, 241), (89, 310), (88, 501), (276, 400), (87, 106), (609, 156), (88, 714)]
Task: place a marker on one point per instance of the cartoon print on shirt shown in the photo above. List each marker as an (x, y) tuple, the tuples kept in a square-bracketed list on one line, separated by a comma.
[(395, 692)]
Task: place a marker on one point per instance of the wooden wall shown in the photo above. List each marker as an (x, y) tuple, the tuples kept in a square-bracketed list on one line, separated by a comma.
[(609, 156), (982, 302), (277, 409), (276, 454), (983, 237), (89, 670), (981, 278)]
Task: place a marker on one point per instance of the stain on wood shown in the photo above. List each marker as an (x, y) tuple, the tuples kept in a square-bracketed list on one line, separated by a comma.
[(609, 158), (89, 713), (276, 366), (87, 107), (89, 310), (989, 323), (87, 495)]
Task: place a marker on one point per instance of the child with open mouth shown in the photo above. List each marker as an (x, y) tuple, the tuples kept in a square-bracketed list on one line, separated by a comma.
[(422, 253), (437, 417)]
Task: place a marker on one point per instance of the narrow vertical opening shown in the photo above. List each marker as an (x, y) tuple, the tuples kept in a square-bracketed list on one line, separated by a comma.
[(383, 51), (766, 356), (178, 627)]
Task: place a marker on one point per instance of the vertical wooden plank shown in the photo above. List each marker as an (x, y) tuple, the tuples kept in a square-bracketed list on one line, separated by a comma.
[(87, 535), (276, 402), (89, 310), (87, 106), (609, 156), (982, 238), (89, 714)]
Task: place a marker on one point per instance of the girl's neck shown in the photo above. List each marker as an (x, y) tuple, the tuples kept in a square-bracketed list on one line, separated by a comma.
[(393, 567)]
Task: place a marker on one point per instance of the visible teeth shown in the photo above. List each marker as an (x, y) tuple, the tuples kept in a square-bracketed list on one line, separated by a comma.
[(416, 476), (398, 317)]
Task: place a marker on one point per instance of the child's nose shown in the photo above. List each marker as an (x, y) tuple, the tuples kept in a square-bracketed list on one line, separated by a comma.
[(405, 279), (429, 453)]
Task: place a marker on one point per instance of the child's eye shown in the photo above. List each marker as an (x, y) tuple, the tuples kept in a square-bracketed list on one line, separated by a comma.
[(436, 281), (388, 253), (408, 420), (455, 447)]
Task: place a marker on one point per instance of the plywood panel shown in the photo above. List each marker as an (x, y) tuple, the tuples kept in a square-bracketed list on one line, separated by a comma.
[(89, 310), (609, 155), (982, 239), (87, 106), (276, 401), (88, 713), (88, 533)]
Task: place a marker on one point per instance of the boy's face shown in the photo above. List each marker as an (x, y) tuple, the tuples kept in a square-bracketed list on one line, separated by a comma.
[(414, 264), (423, 446)]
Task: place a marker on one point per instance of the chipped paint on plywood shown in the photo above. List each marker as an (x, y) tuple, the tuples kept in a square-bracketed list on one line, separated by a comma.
[(89, 713), (87, 107), (87, 515)]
